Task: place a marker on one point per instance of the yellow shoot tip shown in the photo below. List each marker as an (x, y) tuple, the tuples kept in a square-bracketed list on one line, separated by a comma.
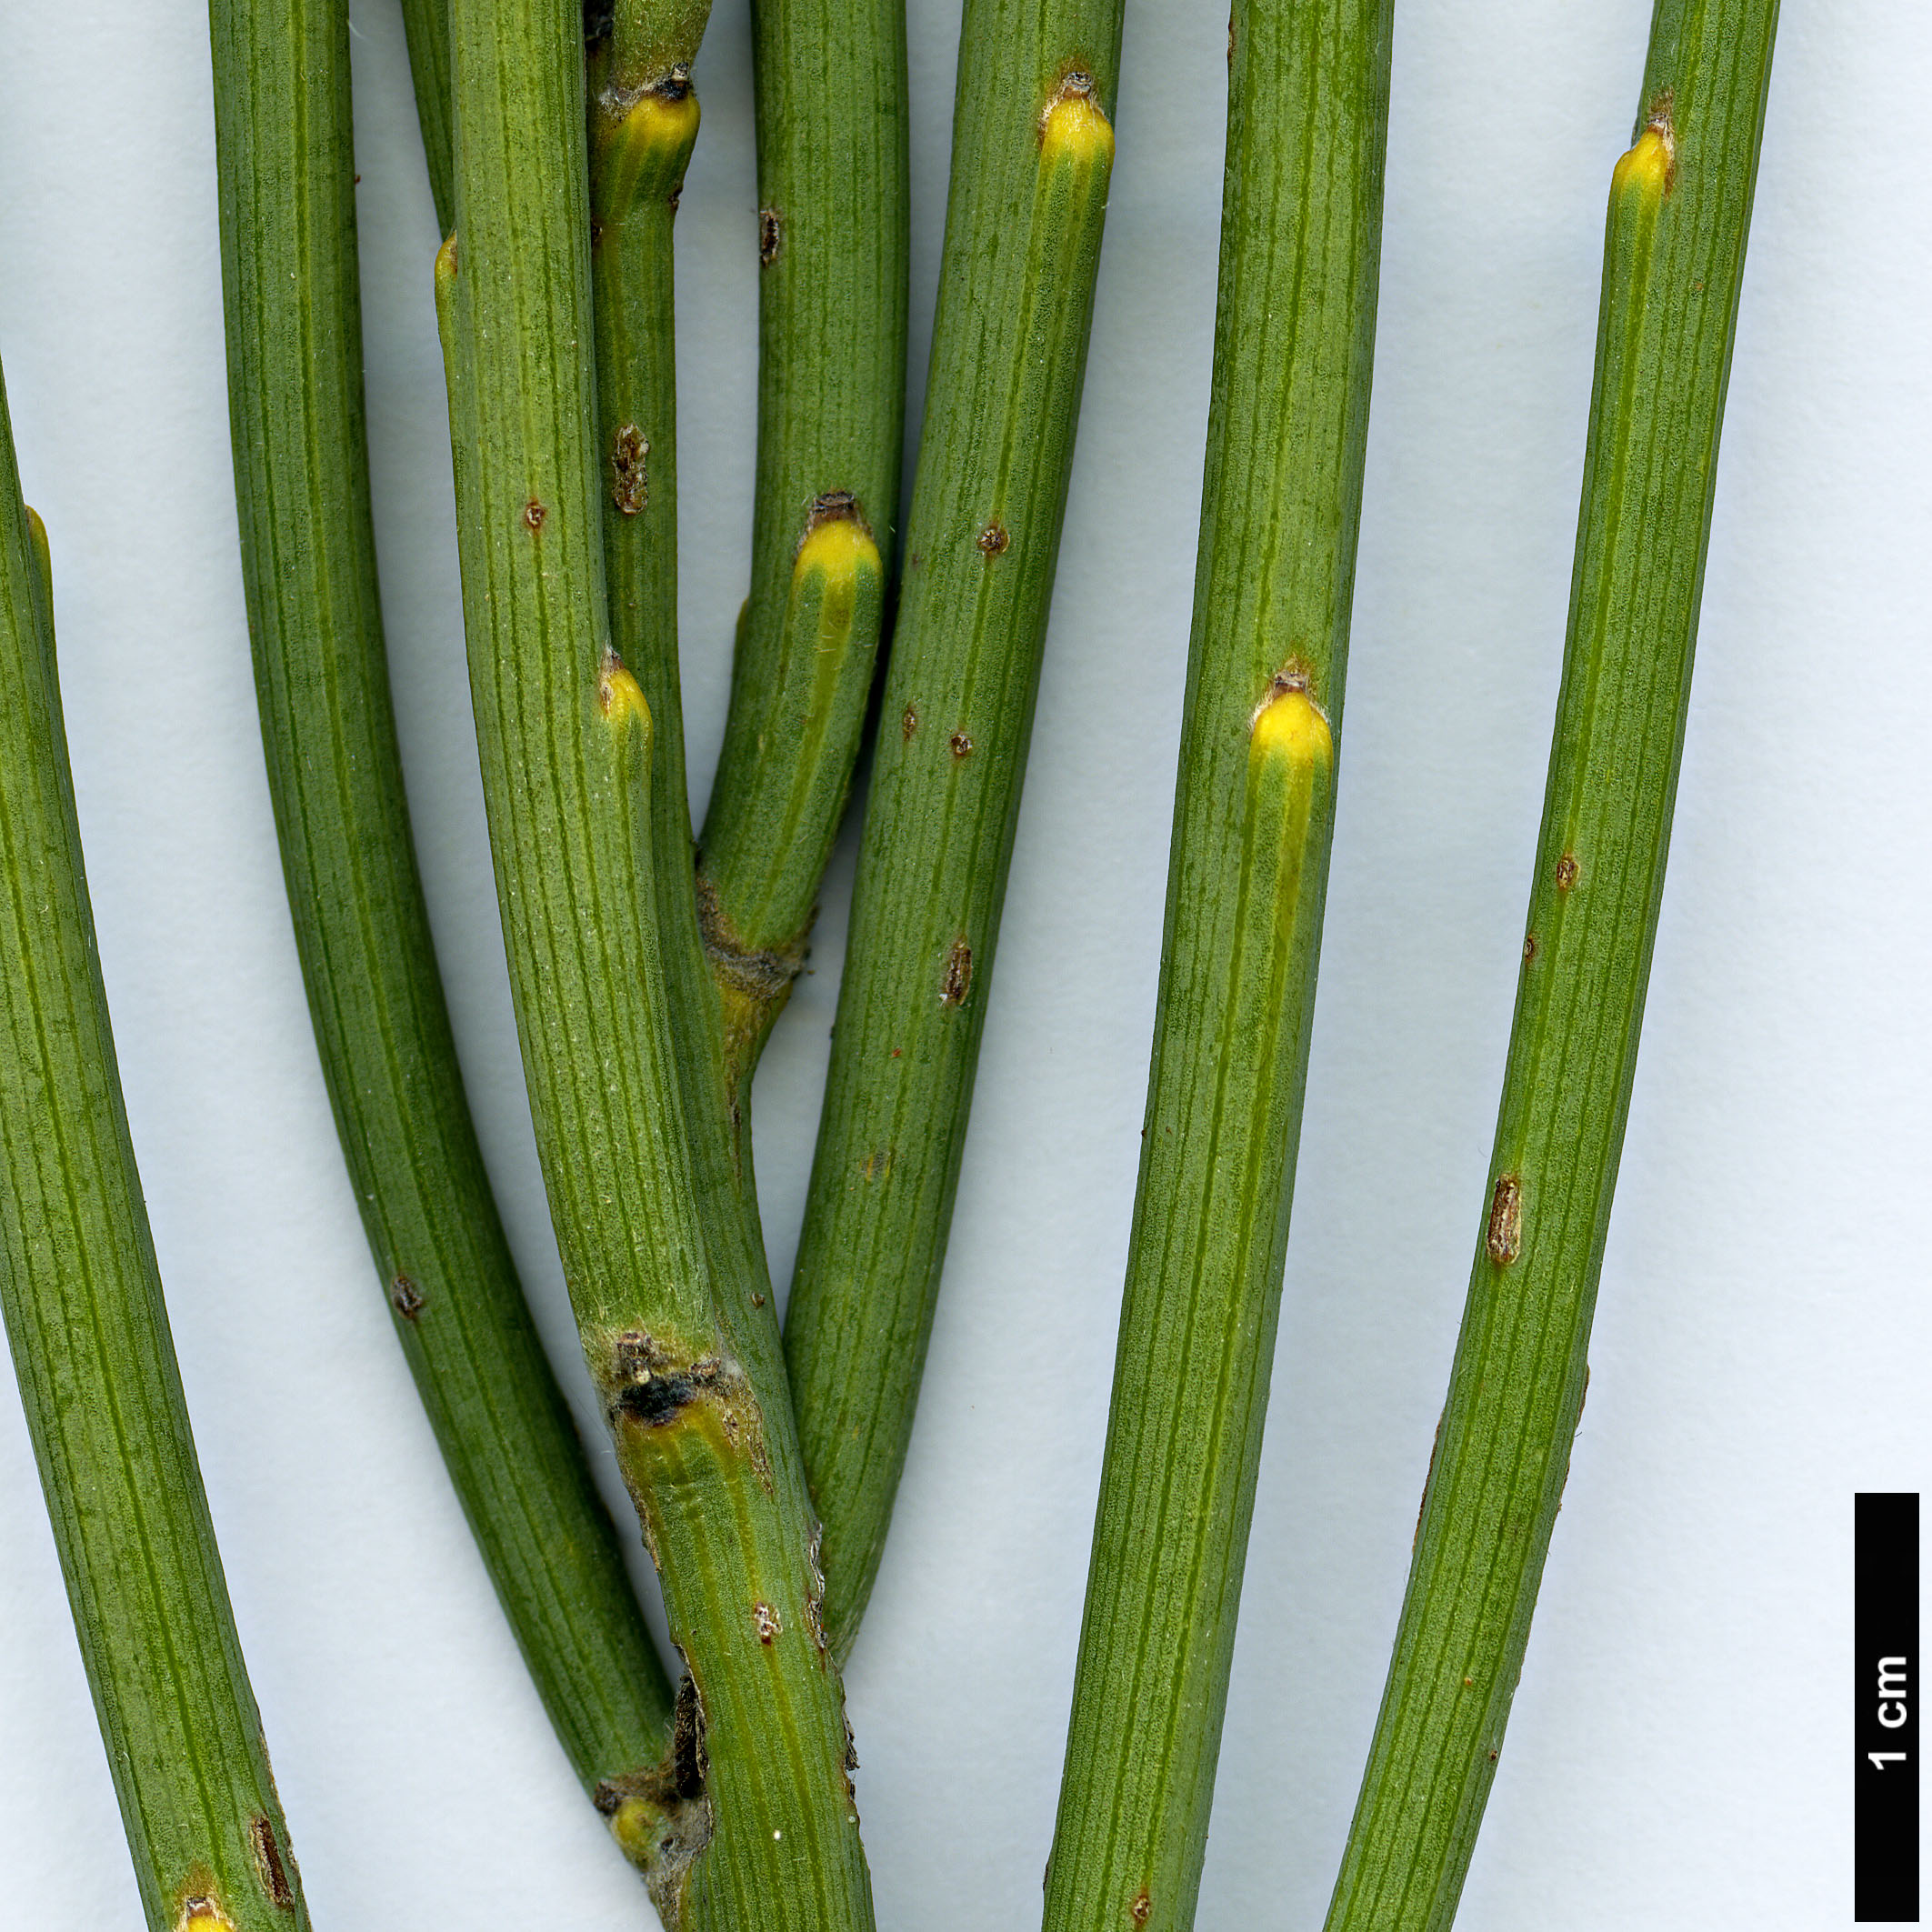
[(840, 548), (446, 263), (203, 1915), (1290, 726), (1075, 128), (1650, 166), (664, 121), (618, 695)]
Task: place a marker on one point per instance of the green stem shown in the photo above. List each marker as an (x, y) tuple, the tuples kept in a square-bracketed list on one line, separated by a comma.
[(643, 124), (425, 27), (1032, 153), (756, 1822), (96, 1362), (833, 238), (1295, 338), (285, 167), (1680, 207)]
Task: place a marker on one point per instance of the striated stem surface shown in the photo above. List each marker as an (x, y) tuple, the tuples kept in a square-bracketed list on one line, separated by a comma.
[(1680, 208), (285, 165), (426, 26), (754, 1820), (92, 1349), (833, 238), (1293, 347), (1033, 150)]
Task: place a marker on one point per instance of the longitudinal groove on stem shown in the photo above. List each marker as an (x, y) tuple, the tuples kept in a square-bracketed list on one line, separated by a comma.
[(1252, 814), (752, 1813), (1032, 155), (92, 1353), (1680, 213), (286, 171), (833, 239)]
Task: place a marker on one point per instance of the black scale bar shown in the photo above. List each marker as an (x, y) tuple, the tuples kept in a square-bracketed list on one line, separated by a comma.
[(1886, 1693)]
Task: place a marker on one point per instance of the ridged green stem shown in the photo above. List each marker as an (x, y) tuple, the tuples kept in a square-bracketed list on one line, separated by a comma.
[(833, 241), (426, 27), (752, 1811), (1032, 152), (1680, 208), (1294, 349), (285, 167), (643, 124), (92, 1353)]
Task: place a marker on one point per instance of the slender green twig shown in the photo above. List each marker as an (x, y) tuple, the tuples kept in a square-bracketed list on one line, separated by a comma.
[(1032, 152), (757, 1826), (1295, 336), (92, 1348), (285, 163), (426, 26), (1680, 209), (643, 124), (833, 237)]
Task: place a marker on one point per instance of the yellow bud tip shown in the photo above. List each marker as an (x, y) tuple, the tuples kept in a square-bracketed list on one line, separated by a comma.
[(1074, 128), (203, 1915), (1291, 726), (664, 120), (446, 263), (840, 548), (1649, 167), (618, 696)]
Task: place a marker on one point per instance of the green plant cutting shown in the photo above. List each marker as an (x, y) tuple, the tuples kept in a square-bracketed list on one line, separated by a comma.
[(1033, 150), (1253, 817), (647, 969), (1680, 211), (92, 1349), (282, 140)]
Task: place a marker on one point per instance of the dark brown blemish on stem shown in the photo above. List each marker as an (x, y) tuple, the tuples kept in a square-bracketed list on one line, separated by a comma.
[(534, 515), (1504, 1241), (1142, 1909), (962, 745), (630, 483), (1530, 947), (268, 1865), (771, 236), (406, 1297), (1567, 872), (658, 1400), (835, 507), (992, 540), (959, 980), (908, 725), (689, 1763)]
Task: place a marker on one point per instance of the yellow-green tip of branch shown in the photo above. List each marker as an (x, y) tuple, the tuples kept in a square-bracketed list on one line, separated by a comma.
[(1650, 167), (837, 549), (648, 149), (1291, 729), (618, 695), (1075, 128)]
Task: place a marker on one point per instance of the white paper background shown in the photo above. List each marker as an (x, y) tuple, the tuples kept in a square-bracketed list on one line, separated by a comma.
[(1680, 1752)]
